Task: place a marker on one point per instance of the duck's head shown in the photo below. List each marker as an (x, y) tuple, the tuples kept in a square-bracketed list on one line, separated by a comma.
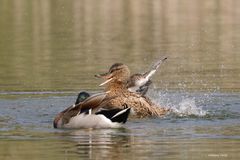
[(118, 72), (82, 96)]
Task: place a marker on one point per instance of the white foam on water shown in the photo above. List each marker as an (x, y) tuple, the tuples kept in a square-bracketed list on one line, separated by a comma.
[(180, 104), (188, 107)]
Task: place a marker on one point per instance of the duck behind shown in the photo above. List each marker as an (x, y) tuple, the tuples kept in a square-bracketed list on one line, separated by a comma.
[(88, 113), (140, 83)]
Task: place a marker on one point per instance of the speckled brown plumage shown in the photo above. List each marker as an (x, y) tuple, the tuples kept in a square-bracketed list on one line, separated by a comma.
[(141, 105)]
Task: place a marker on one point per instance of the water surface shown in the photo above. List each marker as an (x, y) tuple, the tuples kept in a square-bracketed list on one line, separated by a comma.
[(50, 50), (202, 126)]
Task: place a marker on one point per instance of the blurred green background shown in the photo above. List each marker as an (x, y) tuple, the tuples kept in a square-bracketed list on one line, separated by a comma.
[(59, 45)]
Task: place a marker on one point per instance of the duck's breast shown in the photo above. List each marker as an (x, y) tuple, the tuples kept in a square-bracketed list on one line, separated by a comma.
[(91, 121)]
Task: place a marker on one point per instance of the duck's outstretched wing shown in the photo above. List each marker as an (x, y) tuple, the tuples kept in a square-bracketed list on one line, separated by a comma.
[(140, 83), (154, 68), (144, 88)]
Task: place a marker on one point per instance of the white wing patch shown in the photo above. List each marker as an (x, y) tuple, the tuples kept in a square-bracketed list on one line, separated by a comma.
[(150, 74), (121, 112)]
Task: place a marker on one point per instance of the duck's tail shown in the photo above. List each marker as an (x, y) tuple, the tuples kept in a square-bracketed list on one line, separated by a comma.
[(116, 115), (154, 68)]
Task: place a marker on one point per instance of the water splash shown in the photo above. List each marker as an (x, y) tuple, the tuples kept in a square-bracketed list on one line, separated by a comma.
[(188, 107), (181, 104)]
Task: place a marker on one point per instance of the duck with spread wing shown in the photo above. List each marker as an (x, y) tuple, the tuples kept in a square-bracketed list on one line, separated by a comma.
[(91, 112)]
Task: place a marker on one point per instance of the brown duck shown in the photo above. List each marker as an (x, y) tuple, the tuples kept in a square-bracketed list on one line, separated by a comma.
[(116, 83)]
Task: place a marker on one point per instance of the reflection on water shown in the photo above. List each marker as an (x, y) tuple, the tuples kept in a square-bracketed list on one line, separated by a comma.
[(47, 45), (117, 144), (197, 148), (102, 143)]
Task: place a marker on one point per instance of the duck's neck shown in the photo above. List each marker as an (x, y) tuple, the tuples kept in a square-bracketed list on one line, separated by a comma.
[(116, 88)]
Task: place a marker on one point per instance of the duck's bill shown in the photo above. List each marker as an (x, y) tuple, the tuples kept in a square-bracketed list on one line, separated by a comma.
[(107, 76), (103, 75), (107, 81)]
